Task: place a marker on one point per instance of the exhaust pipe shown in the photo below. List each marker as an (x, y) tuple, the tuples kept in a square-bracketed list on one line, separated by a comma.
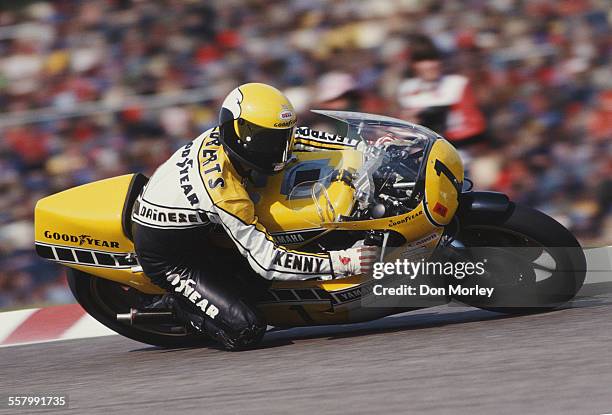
[(146, 316)]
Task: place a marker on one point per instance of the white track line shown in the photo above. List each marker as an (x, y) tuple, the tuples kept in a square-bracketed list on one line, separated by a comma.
[(13, 319), (599, 264), (87, 326)]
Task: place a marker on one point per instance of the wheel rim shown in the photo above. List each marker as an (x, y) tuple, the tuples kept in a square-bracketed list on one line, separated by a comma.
[(537, 273), (521, 247)]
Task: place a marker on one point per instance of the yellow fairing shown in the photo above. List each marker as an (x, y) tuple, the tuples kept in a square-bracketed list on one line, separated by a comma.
[(81, 228), (411, 225), (443, 181), (287, 212), (438, 207)]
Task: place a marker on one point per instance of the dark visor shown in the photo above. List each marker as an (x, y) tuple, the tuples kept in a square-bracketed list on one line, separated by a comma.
[(268, 145)]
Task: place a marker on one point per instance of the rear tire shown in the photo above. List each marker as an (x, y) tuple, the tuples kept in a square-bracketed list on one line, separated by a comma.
[(104, 299)]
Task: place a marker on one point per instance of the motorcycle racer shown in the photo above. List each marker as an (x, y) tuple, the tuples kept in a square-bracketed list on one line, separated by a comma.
[(201, 188)]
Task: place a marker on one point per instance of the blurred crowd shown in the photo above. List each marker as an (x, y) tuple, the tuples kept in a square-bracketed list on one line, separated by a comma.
[(92, 89)]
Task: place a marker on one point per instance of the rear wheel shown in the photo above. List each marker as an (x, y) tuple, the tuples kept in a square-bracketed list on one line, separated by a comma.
[(104, 299), (532, 262)]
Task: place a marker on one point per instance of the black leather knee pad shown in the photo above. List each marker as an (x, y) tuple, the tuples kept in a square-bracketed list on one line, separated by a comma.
[(202, 293)]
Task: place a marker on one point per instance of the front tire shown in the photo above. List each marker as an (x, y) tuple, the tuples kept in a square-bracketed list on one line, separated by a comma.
[(104, 299), (532, 261)]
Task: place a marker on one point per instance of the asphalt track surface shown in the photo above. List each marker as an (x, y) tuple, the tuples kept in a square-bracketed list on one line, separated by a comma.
[(441, 360)]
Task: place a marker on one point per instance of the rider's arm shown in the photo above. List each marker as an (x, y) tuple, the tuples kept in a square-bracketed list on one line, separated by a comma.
[(307, 139), (273, 261)]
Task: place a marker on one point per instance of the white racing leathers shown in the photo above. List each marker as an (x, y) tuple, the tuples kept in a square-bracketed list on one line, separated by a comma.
[(199, 185)]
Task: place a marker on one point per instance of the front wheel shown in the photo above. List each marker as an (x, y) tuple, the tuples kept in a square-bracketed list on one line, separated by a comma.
[(104, 299), (532, 261)]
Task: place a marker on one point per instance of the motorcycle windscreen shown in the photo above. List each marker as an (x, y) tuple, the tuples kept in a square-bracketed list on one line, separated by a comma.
[(393, 151), (319, 188)]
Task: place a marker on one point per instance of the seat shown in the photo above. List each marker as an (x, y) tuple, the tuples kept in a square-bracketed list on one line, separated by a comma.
[(139, 181)]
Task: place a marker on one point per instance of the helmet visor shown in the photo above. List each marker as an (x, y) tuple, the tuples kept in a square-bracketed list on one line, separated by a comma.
[(265, 147)]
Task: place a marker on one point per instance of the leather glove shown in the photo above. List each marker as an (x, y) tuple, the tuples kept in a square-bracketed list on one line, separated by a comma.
[(354, 261)]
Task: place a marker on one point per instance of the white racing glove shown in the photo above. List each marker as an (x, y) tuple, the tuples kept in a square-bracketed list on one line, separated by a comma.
[(354, 261), (384, 140)]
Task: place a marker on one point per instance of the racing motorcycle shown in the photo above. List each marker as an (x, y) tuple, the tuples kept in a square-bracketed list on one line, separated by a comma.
[(401, 188)]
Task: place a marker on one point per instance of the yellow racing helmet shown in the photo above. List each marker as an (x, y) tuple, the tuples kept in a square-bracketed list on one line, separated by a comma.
[(256, 124)]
